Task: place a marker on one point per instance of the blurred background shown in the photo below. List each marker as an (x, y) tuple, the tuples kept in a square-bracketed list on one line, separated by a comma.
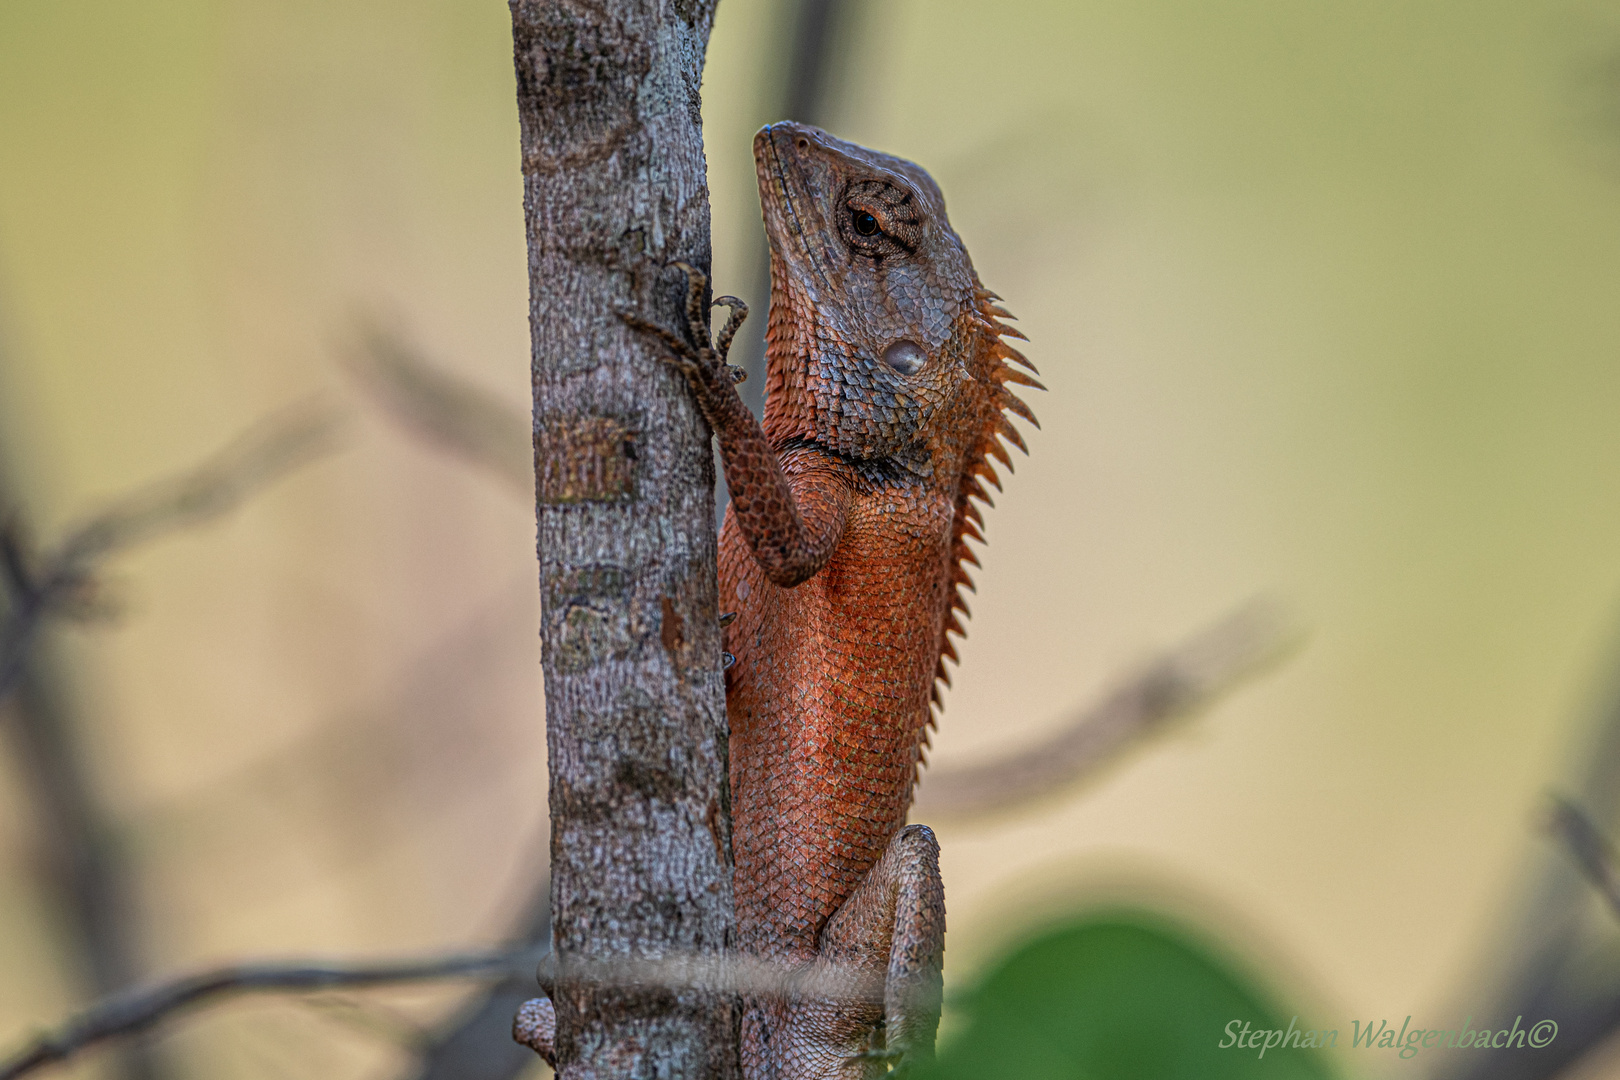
[(1326, 301)]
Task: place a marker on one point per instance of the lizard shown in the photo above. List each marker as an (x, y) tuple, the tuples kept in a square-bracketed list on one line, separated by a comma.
[(842, 557)]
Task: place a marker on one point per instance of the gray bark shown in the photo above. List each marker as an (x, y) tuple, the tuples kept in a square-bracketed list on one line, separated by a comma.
[(614, 189)]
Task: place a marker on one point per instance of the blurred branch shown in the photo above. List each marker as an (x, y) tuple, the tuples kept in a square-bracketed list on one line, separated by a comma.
[(62, 580), (477, 1043), (1190, 677), (84, 867), (141, 1009), (1555, 954), (734, 973), (1588, 846), (815, 32), (85, 871), (450, 411), (144, 1008)]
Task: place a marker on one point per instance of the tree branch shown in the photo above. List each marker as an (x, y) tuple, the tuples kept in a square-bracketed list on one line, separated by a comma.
[(142, 1008), (614, 191), (460, 417), (1587, 845), (146, 1007), (1187, 678), (1554, 956), (63, 579), (84, 873)]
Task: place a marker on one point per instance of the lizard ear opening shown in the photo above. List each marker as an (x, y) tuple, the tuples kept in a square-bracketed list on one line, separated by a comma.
[(906, 357)]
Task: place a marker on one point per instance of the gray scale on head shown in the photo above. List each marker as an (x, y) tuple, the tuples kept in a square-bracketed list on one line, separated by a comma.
[(861, 239)]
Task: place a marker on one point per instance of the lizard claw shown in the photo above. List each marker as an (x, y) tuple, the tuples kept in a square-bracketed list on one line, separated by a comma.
[(676, 344), (707, 361), (734, 321), (696, 317)]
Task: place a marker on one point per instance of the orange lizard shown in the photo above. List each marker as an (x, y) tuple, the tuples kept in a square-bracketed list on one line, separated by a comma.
[(842, 555)]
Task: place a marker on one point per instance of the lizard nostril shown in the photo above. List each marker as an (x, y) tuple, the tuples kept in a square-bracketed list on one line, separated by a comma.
[(906, 357), (804, 144)]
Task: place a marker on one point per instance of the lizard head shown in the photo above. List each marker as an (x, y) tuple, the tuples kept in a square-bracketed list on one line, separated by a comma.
[(878, 326)]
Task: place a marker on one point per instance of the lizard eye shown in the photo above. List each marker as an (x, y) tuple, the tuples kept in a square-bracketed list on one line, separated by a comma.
[(906, 357), (866, 224)]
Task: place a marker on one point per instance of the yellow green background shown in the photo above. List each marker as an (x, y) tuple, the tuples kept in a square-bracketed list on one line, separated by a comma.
[(1326, 299)]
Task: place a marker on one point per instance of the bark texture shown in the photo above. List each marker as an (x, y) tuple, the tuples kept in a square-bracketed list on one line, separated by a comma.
[(614, 190)]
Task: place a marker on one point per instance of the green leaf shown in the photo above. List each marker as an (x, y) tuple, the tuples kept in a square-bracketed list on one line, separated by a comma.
[(1118, 997)]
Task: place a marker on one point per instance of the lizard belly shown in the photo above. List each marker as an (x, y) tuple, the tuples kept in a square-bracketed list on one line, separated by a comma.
[(828, 701)]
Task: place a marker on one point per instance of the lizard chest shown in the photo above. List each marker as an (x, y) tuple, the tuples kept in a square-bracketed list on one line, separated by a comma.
[(858, 642)]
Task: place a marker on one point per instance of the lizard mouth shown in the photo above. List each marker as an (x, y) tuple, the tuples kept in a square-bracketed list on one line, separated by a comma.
[(779, 173)]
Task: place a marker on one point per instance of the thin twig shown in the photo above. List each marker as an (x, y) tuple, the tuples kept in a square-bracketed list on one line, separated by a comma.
[(1588, 846), (64, 576), (459, 416), (140, 1009), (1183, 680)]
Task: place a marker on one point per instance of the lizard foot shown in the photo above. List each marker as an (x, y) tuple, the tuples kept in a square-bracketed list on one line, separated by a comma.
[(535, 1026), (705, 364)]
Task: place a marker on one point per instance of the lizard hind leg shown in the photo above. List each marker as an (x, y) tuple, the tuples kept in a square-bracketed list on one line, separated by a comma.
[(891, 928)]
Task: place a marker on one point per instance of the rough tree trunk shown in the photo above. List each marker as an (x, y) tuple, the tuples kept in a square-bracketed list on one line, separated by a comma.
[(614, 189)]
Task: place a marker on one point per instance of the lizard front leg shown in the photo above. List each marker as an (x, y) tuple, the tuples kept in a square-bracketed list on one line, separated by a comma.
[(889, 933), (792, 522)]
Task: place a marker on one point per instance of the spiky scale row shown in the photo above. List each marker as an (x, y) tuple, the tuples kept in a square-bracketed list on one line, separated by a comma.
[(1013, 375), (969, 521), (1005, 429)]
